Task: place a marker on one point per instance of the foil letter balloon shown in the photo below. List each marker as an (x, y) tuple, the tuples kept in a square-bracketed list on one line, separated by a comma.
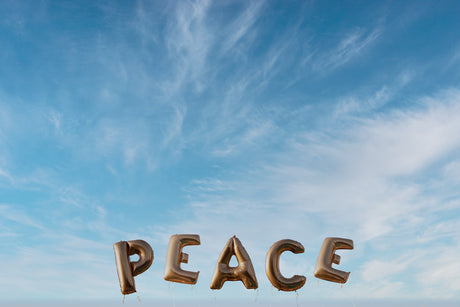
[(175, 257), (272, 266), (327, 256), (125, 268), (244, 271)]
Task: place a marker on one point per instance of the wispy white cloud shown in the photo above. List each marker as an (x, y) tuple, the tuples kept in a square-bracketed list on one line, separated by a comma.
[(86, 261), (6, 175), (189, 39), (239, 28), (354, 104), (361, 183), (378, 270), (353, 43), (248, 138), (55, 119), (437, 271), (9, 213), (174, 129), (186, 81)]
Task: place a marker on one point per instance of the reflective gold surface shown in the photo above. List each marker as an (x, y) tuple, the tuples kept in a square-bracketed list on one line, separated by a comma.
[(175, 257), (125, 268), (272, 265), (327, 256), (244, 271)]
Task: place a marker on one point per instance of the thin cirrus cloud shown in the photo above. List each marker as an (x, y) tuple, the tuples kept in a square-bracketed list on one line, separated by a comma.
[(367, 185), (352, 45)]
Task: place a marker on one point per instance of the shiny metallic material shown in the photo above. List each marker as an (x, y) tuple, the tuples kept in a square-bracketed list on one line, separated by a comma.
[(125, 268), (327, 256), (272, 265), (244, 271), (175, 257)]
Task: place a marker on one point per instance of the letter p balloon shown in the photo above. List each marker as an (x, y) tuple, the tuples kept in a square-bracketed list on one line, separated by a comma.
[(125, 268)]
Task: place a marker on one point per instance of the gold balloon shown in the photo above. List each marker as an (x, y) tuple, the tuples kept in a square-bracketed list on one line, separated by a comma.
[(327, 256), (244, 271), (272, 265), (175, 257), (125, 268)]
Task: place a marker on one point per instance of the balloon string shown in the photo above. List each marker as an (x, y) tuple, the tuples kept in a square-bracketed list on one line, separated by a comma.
[(193, 293), (138, 298), (297, 298), (257, 294), (271, 298), (174, 299), (124, 298), (353, 299)]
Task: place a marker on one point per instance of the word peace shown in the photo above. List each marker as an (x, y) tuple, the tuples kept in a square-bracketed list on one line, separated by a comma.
[(244, 272)]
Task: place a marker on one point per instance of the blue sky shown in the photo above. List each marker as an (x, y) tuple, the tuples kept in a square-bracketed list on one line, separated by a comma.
[(265, 120)]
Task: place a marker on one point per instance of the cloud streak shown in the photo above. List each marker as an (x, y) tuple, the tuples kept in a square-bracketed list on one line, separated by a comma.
[(360, 183)]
